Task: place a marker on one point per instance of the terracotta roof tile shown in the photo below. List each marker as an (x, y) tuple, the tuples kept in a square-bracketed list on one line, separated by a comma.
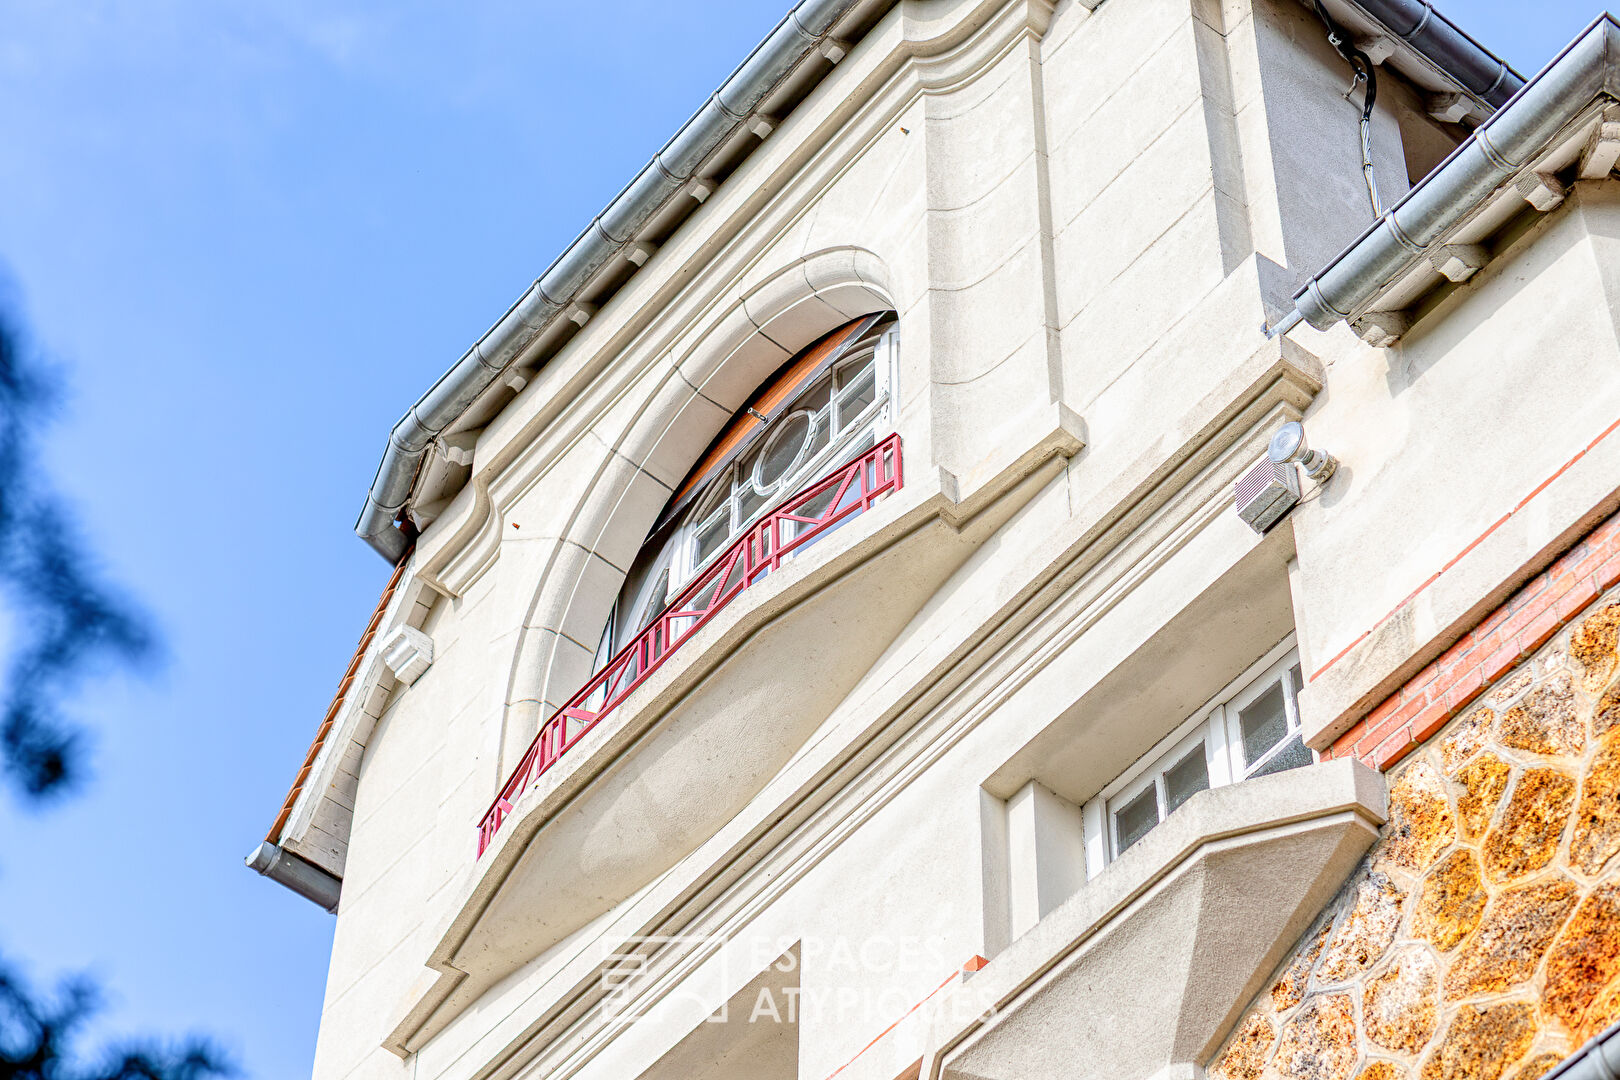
[(274, 835)]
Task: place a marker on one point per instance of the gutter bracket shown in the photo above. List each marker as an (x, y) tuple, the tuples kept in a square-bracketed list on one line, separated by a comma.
[(1603, 149)]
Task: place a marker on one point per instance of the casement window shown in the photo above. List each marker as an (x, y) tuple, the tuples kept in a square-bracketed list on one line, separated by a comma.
[(1251, 728), (826, 406)]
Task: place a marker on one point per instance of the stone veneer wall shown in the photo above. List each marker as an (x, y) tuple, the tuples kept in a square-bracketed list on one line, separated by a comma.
[(1480, 938)]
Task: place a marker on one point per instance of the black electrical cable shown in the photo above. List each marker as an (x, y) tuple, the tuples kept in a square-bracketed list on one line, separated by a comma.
[(1359, 63)]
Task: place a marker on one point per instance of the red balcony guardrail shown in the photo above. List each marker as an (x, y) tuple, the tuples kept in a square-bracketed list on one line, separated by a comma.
[(800, 521)]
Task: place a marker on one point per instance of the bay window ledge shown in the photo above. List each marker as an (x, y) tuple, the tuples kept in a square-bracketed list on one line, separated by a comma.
[(1142, 972), (694, 742)]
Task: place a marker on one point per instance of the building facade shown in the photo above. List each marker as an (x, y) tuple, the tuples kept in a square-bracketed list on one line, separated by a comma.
[(1033, 540)]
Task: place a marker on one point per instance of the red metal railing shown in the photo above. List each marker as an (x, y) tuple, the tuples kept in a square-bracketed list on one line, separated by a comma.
[(800, 521)]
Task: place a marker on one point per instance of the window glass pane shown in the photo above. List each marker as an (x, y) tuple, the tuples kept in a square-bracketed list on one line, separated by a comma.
[(1133, 820), (749, 502), (783, 449), (713, 534), (1294, 754), (816, 397), (1186, 778), (1264, 724), (656, 599), (853, 371), (860, 392), (714, 493)]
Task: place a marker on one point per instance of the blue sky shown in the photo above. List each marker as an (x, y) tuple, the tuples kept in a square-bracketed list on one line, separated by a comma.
[(251, 234)]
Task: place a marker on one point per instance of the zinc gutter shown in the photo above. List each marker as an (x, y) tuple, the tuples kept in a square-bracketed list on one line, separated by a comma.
[(1476, 169), (804, 30), (1446, 45), (1597, 1059)]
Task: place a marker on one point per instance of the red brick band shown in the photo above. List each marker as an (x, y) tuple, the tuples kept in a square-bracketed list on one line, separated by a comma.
[(1545, 605)]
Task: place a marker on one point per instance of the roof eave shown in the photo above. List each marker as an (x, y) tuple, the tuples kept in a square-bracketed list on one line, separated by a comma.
[(1490, 161)]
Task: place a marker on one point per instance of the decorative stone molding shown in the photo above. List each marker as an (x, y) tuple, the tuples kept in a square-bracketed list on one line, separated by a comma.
[(938, 47), (707, 372), (458, 448), (316, 823), (408, 653), (1213, 895), (527, 892), (1458, 262), (727, 356), (1448, 108), (1480, 939), (1603, 147), (1377, 47)]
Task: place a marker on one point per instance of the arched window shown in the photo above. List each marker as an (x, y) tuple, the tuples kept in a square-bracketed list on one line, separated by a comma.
[(824, 407)]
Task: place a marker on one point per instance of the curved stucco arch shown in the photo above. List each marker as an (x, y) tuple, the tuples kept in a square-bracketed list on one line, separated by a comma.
[(698, 387)]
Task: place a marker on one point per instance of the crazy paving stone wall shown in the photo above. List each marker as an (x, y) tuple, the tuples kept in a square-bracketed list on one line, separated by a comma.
[(1480, 938)]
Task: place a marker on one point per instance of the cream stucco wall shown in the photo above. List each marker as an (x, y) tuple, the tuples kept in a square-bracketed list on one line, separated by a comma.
[(1082, 218), (1493, 406)]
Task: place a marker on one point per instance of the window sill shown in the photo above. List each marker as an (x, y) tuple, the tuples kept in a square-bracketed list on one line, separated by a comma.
[(1216, 895)]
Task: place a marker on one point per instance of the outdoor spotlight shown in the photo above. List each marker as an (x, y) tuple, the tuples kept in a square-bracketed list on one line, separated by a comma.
[(1269, 490), (1288, 447)]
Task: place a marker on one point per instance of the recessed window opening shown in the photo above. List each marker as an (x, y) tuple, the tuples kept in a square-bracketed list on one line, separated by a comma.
[(1251, 728), (826, 406)]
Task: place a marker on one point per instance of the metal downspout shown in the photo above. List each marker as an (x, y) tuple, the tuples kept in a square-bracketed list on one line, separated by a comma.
[(1496, 151), (801, 32), (1599, 1059)]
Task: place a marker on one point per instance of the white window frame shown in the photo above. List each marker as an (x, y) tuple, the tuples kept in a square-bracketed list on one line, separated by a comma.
[(878, 417), (1155, 778), (679, 554), (1215, 722), (1276, 673)]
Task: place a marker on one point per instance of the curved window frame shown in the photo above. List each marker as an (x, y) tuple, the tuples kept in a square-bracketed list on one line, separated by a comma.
[(685, 546)]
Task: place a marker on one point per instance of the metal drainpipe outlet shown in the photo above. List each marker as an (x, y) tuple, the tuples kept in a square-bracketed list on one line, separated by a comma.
[(304, 878)]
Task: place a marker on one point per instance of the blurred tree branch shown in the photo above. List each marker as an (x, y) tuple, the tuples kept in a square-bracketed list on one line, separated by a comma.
[(65, 626), (37, 1041)]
